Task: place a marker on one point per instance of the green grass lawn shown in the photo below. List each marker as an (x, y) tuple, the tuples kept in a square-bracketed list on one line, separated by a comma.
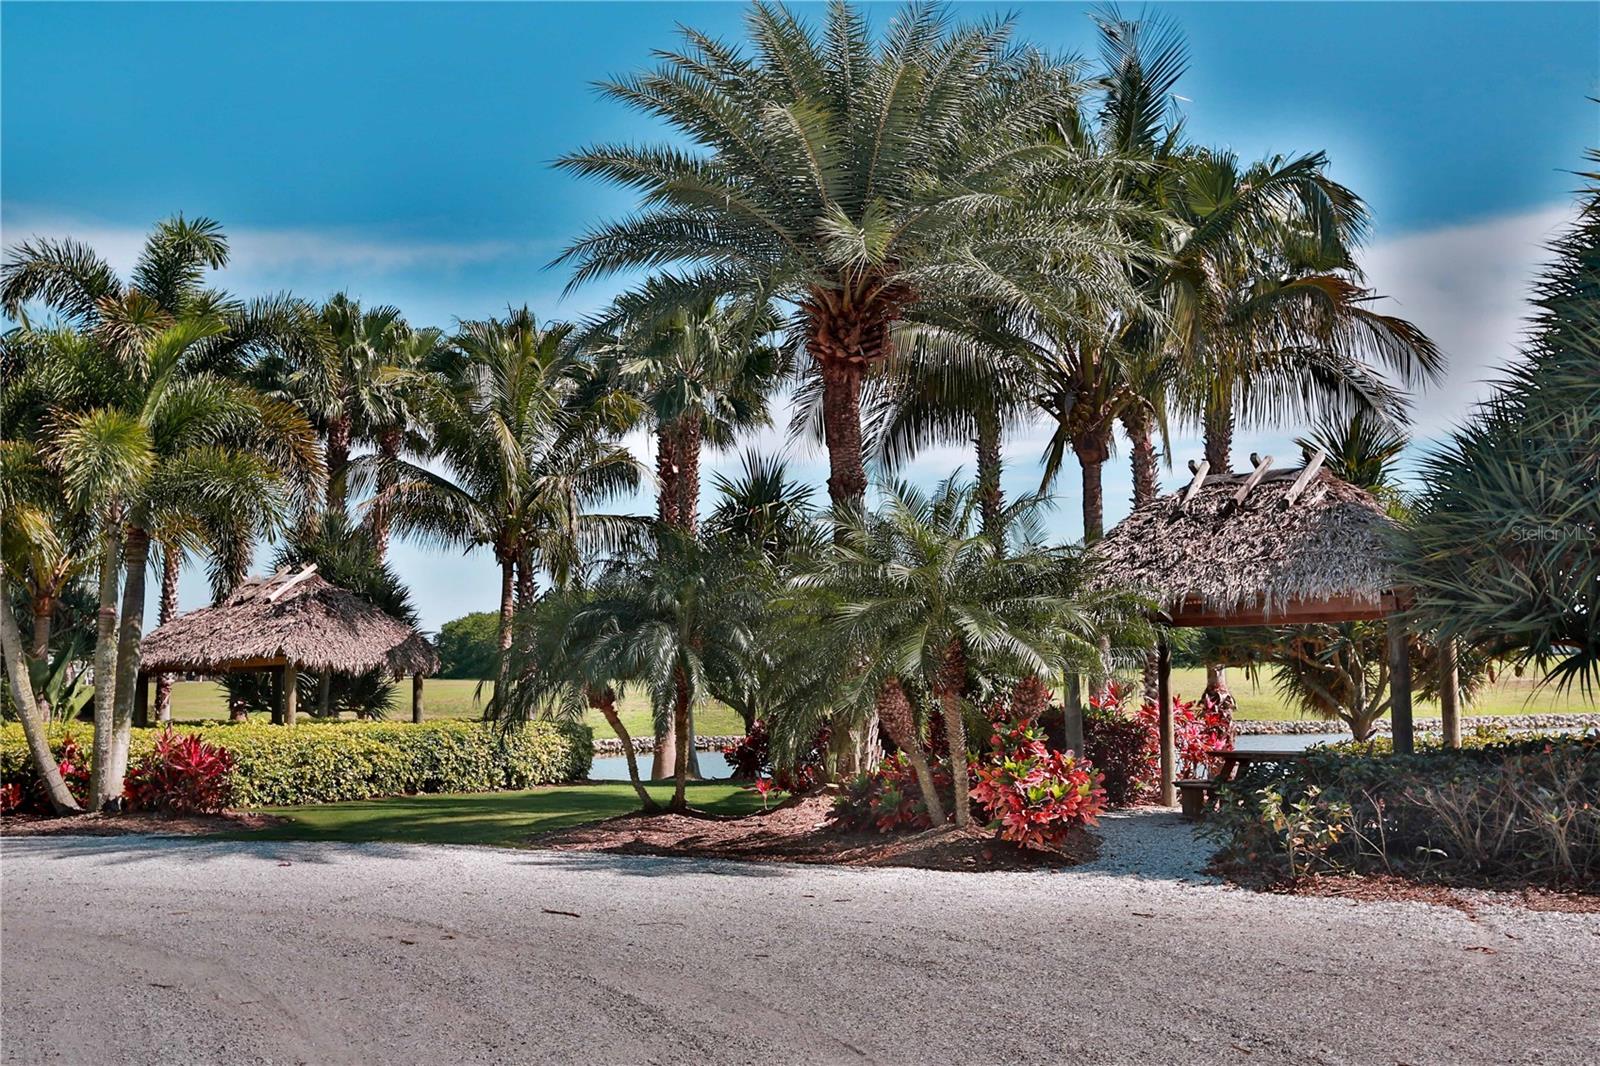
[(194, 701), (503, 819)]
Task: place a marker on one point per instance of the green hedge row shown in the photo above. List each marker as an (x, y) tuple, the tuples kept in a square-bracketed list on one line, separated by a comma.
[(276, 766)]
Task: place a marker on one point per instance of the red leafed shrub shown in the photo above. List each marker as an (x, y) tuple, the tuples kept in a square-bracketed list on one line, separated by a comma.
[(1027, 792), (30, 796), (889, 801), (1125, 747), (11, 797), (1032, 794), (182, 773), (751, 759), (1121, 747)]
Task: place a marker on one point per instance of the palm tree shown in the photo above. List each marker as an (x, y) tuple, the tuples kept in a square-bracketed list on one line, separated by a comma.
[(664, 619), (917, 596), (765, 508), (526, 451), (172, 453), (848, 177), (166, 285)]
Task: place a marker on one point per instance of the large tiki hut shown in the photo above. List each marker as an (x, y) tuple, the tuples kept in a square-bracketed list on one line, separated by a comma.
[(289, 622), (1271, 547)]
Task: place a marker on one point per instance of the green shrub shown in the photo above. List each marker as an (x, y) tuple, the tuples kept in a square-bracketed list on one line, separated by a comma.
[(1524, 810), (325, 762)]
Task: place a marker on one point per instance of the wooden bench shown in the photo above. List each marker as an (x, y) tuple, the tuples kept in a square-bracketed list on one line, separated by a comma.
[(1197, 794)]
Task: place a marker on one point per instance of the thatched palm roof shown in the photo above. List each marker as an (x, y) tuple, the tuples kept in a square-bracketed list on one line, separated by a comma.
[(289, 618), (1324, 555)]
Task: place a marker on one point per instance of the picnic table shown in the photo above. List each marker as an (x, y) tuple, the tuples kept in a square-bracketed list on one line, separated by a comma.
[(1196, 794)]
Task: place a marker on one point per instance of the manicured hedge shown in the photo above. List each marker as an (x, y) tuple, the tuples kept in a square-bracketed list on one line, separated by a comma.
[(1524, 810), (322, 763)]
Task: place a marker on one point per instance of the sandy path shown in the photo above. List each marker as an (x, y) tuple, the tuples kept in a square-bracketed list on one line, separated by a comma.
[(195, 952)]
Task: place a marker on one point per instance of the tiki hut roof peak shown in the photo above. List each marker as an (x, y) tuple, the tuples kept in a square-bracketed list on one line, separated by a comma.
[(291, 617), (1263, 547)]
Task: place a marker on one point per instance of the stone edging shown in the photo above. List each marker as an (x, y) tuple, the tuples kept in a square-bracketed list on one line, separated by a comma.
[(647, 745), (1245, 727)]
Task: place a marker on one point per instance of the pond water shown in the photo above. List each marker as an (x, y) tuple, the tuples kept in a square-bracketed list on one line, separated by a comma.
[(713, 767)]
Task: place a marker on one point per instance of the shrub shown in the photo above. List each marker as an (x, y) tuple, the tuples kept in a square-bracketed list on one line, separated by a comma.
[(751, 760), (1025, 791), (322, 763), (1126, 748), (1031, 794), (183, 774), (1526, 810)]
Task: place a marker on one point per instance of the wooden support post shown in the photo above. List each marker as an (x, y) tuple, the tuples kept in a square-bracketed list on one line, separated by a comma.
[(1450, 694), (291, 694), (416, 699), (1072, 713), (141, 701), (324, 692), (275, 680), (1400, 687), (1169, 745)]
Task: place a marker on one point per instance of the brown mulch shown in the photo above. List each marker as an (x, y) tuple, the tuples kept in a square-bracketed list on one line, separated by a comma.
[(149, 822), (1389, 888), (798, 831)]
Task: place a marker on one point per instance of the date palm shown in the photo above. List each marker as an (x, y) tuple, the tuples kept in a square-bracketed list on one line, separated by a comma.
[(846, 176)]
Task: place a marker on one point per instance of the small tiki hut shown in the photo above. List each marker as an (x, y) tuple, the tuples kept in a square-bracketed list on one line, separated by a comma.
[(287, 623), (1271, 547)]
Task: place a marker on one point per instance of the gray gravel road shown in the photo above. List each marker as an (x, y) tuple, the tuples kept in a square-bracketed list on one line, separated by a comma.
[(135, 950)]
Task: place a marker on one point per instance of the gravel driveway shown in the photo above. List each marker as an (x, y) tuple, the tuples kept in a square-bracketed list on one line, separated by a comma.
[(179, 951)]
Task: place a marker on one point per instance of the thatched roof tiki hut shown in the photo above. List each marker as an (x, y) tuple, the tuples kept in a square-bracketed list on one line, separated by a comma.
[(1271, 547), (287, 623)]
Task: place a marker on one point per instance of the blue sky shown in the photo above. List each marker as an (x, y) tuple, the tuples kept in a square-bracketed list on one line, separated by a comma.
[(402, 152)]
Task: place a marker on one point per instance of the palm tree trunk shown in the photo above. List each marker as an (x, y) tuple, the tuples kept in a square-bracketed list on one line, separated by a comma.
[(667, 495), (1218, 427), (338, 461), (991, 498), (952, 678), (894, 710), (34, 723), (688, 456), (1092, 450), (680, 719), (1139, 424), (105, 666), (136, 565), (605, 701), (171, 560), (1217, 688), (508, 610), (525, 580), (44, 609), (841, 425), (389, 442)]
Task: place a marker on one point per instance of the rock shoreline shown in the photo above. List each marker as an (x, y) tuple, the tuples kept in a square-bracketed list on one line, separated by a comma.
[(604, 746)]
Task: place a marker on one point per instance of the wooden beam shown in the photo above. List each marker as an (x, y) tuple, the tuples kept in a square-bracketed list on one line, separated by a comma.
[(272, 597), (1169, 746), (1400, 687), (1196, 615), (291, 694), (416, 699), (1255, 476), (1450, 694), (1194, 486), (1305, 477)]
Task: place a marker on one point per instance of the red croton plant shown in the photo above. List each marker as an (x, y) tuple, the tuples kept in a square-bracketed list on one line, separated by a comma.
[(182, 774)]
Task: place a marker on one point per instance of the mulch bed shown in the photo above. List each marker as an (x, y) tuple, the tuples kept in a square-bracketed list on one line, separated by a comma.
[(147, 822), (798, 831), (1389, 888)]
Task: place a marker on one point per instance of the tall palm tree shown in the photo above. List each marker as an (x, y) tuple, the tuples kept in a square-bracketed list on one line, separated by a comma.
[(526, 451), (918, 596), (846, 176)]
